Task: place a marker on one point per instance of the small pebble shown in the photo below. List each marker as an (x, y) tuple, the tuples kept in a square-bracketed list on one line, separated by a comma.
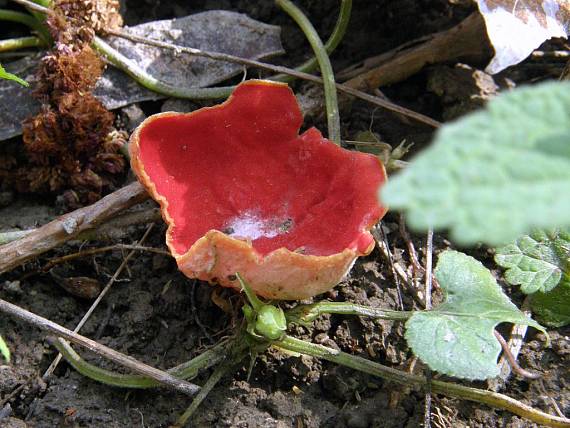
[(13, 287)]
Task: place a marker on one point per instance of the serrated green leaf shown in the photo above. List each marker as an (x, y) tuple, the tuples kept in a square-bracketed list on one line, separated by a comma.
[(553, 308), (457, 337), (9, 76), (537, 262), (493, 175), (4, 350)]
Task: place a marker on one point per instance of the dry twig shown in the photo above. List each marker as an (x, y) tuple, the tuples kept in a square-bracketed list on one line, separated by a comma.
[(392, 265), (124, 360), (98, 250), (418, 269), (464, 41), (428, 288), (103, 293), (397, 269), (69, 226), (514, 345), (279, 69), (516, 368), (112, 230), (351, 90)]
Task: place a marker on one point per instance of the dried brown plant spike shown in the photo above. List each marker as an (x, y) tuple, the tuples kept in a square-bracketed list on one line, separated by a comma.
[(73, 150), (73, 19)]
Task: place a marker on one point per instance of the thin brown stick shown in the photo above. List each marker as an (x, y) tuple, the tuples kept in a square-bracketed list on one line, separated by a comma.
[(465, 40), (555, 405), (411, 249), (388, 105), (69, 226), (417, 268), (392, 266), (214, 55), (94, 305), (512, 360), (232, 58), (428, 288), (15, 391), (99, 250), (397, 269), (515, 343), (279, 69), (117, 357)]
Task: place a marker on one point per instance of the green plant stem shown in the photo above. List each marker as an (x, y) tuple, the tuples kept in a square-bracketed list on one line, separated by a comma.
[(331, 44), (44, 3), (150, 82), (100, 375), (141, 76), (40, 16), (21, 18), (156, 85), (218, 374), (331, 100), (187, 370), (34, 21), (254, 301), (308, 313), (20, 43), (446, 388)]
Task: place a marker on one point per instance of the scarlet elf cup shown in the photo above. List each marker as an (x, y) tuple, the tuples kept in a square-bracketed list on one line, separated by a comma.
[(242, 191)]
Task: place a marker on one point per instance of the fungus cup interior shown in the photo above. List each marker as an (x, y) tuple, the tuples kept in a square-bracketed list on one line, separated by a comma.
[(242, 168)]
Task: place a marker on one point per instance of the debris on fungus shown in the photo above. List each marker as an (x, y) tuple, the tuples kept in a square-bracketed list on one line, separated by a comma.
[(243, 192), (72, 147)]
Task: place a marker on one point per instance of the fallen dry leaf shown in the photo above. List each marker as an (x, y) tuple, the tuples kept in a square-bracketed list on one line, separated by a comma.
[(216, 30), (517, 27)]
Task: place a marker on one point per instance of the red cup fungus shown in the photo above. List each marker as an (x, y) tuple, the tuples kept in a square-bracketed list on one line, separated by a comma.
[(242, 191)]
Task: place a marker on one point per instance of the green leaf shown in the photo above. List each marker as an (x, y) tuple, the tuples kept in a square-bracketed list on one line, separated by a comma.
[(4, 350), (537, 262), (9, 76), (553, 308), (496, 174), (457, 337), (540, 264)]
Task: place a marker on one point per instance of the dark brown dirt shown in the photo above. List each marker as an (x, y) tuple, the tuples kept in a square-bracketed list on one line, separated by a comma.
[(157, 315)]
